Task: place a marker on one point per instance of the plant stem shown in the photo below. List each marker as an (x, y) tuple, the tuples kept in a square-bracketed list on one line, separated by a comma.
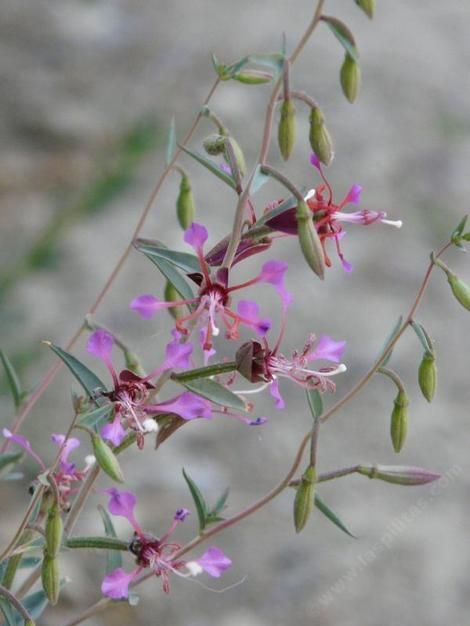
[(13, 600), (265, 143), (205, 372), (51, 374), (409, 318)]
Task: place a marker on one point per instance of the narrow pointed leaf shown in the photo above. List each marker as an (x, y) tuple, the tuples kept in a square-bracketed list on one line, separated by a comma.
[(171, 142), (259, 179), (8, 459), (8, 612), (215, 392), (343, 35), (315, 402), (97, 543), (113, 557), (422, 336), (173, 276), (211, 166), (12, 379), (273, 61), (327, 512), (221, 502), (391, 336), (188, 263), (87, 379), (457, 233), (198, 498), (97, 418)]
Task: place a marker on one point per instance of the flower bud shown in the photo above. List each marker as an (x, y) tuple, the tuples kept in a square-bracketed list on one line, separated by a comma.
[(309, 241), (399, 474), (250, 360), (368, 6), (460, 290), (399, 421), (253, 77), (50, 577), (350, 77), (106, 459), (287, 129), (303, 502), (320, 139), (238, 154), (214, 144), (427, 375), (185, 206), (29, 622), (54, 531)]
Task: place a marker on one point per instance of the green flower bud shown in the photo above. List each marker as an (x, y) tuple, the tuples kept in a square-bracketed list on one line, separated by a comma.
[(106, 459), (368, 6), (408, 476), (309, 241), (399, 421), (427, 375), (50, 577), (54, 531), (238, 154), (303, 502), (185, 206), (460, 290), (29, 622), (350, 77), (287, 129), (132, 363), (214, 144), (253, 77), (172, 295), (320, 139)]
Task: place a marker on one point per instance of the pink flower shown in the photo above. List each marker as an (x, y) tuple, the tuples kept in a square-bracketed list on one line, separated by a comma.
[(155, 553), (212, 306), (328, 216)]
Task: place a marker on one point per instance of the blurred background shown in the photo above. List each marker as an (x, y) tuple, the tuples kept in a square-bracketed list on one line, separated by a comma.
[(89, 89)]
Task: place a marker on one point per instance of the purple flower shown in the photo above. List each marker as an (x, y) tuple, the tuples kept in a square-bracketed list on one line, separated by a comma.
[(181, 515), (214, 562), (196, 235), (187, 405), (100, 345), (67, 447), (25, 444), (147, 306), (113, 431), (116, 584), (122, 504), (248, 312), (328, 349)]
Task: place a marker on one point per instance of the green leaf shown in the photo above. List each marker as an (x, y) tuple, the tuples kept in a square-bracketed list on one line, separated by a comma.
[(188, 263), (13, 380), (199, 502), (221, 502), (390, 337), (113, 557), (87, 379), (422, 336), (215, 392), (460, 228), (97, 418), (259, 179), (343, 35), (327, 512), (7, 459), (29, 561), (211, 166), (274, 61), (174, 277), (315, 402), (8, 612), (171, 142)]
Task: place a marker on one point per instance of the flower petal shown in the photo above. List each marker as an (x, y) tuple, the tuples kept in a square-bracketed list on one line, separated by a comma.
[(23, 443), (249, 315), (122, 504), (116, 584), (328, 349), (100, 344), (113, 431), (188, 405), (214, 562), (276, 394), (196, 235), (147, 305)]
